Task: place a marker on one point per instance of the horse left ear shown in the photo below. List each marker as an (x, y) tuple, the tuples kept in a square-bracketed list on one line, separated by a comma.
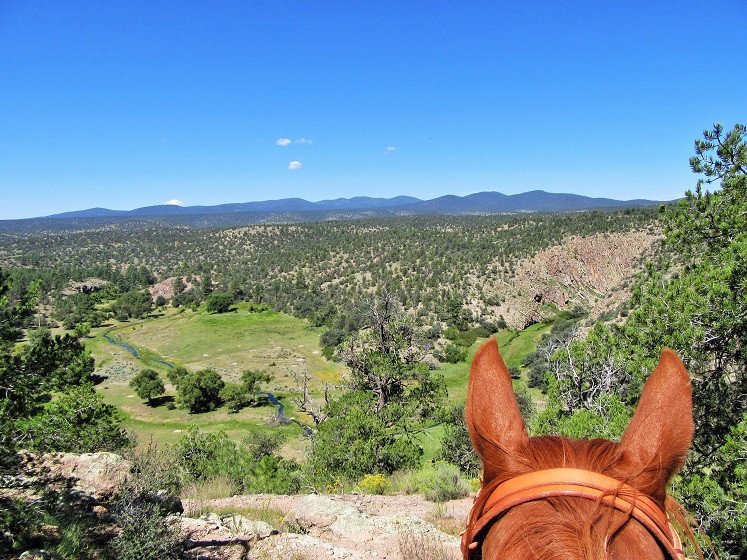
[(492, 414), (656, 442)]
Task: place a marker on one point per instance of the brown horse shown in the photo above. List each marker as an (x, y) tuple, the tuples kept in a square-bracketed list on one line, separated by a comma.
[(554, 498)]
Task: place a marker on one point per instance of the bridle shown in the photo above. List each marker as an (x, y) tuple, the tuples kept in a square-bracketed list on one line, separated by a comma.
[(492, 501)]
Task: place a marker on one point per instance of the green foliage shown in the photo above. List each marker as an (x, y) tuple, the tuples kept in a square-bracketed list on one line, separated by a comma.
[(607, 420), (132, 305), (190, 298), (19, 524), (148, 384), (200, 391), (454, 353), (252, 379), (76, 421), (718, 494), (47, 404), (438, 482), (145, 535), (695, 302), (263, 442), (237, 396), (56, 369), (433, 265), (692, 300), (12, 313), (176, 374), (564, 329), (205, 456), (355, 440), (219, 302), (524, 399), (78, 308), (392, 396), (456, 447), (202, 455)]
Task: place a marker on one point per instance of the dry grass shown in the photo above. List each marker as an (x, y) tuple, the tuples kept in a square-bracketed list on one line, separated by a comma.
[(423, 546), (219, 487), (273, 517), (445, 521)]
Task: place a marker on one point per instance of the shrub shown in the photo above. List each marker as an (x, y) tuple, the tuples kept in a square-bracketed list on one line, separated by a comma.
[(176, 374), (355, 441), (78, 421), (456, 447), (374, 484), (201, 455), (454, 353), (148, 384), (145, 534), (524, 399), (438, 482), (205, 458), (235, 396), (262, 442), (139, 513), (132, 305), (219, 302)]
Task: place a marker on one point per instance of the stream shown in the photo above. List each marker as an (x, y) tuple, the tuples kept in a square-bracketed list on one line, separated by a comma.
[(282, 418)]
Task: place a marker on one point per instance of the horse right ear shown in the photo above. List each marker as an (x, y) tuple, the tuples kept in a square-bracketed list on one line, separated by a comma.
[(493, 418), (656, 442)]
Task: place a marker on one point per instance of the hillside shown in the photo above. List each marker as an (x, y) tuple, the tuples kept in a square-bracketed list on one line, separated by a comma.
[(593, 272), (433, 265)]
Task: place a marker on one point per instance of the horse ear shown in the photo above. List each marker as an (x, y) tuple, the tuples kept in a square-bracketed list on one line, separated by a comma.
[(492, 415), (656, 442)]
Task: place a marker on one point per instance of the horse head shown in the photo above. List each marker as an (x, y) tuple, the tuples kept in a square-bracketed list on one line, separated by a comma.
[(603, 512)]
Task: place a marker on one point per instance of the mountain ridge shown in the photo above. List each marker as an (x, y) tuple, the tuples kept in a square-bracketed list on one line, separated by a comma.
[(299, 210), (484, 201)]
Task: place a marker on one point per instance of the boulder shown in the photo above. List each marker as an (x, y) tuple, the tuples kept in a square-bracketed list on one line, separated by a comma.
[(94, 476)]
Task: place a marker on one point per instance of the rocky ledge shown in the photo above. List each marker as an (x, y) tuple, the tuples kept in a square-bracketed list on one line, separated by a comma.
[(309, 527)]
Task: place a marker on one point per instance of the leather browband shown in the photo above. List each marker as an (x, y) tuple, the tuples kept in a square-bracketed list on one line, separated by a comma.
[(491, 503)]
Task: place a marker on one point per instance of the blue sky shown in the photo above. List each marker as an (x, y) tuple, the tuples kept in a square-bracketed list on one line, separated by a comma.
[(129, 104)]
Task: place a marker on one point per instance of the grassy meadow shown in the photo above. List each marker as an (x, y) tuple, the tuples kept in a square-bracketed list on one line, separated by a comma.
[(230, 342), (285, 346)]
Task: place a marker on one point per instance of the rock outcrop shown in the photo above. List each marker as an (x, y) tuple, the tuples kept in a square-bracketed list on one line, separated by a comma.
[(313, 527), (352, 527)]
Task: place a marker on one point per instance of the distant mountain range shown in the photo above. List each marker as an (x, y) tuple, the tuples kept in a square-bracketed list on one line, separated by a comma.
[(299, 210)]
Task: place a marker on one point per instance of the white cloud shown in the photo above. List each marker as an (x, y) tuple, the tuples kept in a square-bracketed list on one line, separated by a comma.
[(283, 142), (174, 202), (389, 149), (304, 141), (294, 165)]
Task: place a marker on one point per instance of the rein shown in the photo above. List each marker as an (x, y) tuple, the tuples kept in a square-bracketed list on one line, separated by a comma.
[(493, 502)]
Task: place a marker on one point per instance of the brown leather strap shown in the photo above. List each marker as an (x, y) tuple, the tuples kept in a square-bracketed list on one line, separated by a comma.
[(491, 503)]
